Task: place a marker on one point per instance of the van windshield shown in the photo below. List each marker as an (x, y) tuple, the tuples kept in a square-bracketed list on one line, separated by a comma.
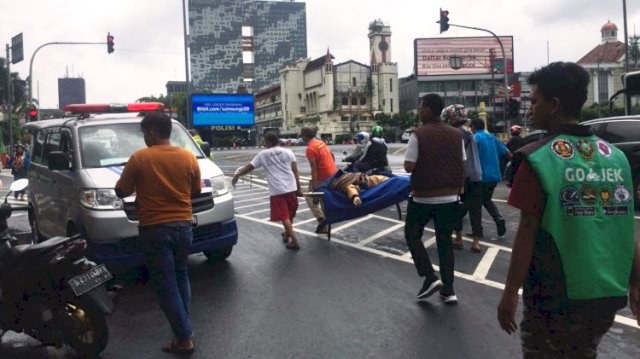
[(106, 145)]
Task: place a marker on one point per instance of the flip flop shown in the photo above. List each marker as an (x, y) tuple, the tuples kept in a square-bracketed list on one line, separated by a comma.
[(285, 238), (173, 349), (293, 246), (476, 249)]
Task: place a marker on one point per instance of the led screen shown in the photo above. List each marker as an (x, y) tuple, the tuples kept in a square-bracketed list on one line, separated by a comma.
[(222, 109)]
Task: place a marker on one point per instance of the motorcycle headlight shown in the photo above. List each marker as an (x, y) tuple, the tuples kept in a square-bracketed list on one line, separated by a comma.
[(101, 199), (219, 185)]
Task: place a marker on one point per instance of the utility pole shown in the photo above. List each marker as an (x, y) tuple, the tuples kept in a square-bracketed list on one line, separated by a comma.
[(9, 99), (186, 63)]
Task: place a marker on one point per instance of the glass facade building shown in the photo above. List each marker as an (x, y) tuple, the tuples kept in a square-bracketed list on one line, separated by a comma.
[(236, 43)]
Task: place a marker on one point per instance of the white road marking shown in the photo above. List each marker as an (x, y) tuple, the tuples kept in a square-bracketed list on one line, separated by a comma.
[(407, 259), (259, 211), (251, 199), (252, 205), (247, 194), (350, 224), (485, 264), (380, 234)]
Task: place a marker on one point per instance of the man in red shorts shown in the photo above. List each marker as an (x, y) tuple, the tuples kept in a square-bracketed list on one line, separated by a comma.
[(284, 184)]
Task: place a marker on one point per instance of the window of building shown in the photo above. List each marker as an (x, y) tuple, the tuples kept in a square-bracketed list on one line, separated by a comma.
[(353, 81), (345, 101), (391, 104), (363, 101), (390, 85), (354, 101), (603, 87)]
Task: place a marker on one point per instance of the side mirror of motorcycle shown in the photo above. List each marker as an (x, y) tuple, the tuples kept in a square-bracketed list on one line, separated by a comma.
[(344, 153), (17, 186)]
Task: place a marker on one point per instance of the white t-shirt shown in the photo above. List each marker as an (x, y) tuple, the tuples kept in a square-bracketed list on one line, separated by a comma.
[(276, 162), (411, 155)]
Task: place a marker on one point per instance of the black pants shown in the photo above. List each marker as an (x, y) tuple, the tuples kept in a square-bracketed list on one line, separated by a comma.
[(471, 202), (564, 333), (486, 195), (444, 216)]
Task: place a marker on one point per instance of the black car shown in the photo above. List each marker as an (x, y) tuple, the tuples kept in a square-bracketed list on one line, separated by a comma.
[(624, 133)]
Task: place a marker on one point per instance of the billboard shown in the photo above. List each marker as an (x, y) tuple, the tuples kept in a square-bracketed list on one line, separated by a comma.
[(222, 109), (432, 55)]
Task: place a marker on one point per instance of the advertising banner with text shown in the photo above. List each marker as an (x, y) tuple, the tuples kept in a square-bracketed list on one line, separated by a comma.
[(432, 55), (223, 109)]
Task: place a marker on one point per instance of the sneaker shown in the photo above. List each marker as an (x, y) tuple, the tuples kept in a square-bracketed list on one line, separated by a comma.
[(449, 298), (429, 287), (502, 229)]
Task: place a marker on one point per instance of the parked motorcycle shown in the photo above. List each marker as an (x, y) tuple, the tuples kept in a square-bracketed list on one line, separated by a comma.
[(50, 291)]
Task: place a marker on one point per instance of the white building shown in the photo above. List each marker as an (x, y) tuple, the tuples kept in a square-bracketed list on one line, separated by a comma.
[(344, 98), (605, 64)]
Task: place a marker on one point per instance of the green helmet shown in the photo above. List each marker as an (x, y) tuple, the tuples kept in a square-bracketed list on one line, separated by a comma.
[(376, 131)]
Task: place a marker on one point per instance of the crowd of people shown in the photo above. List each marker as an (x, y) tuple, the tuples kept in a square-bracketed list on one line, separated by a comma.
[(575, 257)]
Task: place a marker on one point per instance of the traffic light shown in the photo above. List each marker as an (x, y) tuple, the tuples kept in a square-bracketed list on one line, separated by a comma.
[(33, 114), (109, 43), (444, 20)]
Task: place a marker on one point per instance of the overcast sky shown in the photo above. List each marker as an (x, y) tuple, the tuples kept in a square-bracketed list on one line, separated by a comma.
[(149, 49)]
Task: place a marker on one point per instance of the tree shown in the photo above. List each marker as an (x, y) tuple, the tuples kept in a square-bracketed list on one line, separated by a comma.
[(176, 101), (18, 103), (634, 49), (396, 123)]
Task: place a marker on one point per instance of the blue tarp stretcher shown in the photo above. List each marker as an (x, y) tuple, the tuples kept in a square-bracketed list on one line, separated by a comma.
[(338, 207)]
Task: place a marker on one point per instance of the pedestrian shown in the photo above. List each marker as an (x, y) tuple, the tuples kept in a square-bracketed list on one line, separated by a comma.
[(19, 164), (323, 167), (284, 184), (490, 149), (516, 141), (456, 116), (434, 157), (574, 252), (165, 178)]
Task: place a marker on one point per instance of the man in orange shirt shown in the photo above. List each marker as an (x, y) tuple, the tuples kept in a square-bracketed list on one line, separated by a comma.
[(323, 166), (164, 178)]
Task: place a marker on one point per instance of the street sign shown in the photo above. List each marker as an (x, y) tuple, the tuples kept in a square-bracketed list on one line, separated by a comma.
[(17, 53)]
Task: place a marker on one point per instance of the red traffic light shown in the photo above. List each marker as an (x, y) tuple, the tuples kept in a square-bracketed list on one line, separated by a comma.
[(110, 43), (33, 113)]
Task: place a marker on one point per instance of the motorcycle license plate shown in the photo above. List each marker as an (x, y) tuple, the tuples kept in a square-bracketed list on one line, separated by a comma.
[(86, 281)]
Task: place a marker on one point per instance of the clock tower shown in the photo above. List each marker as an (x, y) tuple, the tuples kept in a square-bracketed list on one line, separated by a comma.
[(379, 42), (384, 73)]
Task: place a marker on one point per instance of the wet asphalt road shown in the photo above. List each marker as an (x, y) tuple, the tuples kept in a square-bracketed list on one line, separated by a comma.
[(353, 297)]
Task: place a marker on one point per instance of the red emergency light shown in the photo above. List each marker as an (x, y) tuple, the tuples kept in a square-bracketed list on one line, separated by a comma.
[(116, 108)]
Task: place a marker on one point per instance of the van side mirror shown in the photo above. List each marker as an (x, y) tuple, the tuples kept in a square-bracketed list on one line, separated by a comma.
[(206, 148), (59, 160)]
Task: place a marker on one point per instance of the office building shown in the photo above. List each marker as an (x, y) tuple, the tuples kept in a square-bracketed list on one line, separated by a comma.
[(236, 43)]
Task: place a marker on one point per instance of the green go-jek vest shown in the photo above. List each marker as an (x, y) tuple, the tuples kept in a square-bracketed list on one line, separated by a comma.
[(589, 213)]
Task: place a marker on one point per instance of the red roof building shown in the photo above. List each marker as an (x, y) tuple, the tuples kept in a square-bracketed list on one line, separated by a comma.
[(605, 64)]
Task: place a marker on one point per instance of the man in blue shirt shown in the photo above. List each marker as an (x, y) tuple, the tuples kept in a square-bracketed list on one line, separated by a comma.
[(490, 150)]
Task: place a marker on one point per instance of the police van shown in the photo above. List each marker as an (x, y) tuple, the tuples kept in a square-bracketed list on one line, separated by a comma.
[(75, 164)]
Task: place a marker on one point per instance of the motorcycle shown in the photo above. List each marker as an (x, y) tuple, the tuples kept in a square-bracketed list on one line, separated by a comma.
[(50, 290)]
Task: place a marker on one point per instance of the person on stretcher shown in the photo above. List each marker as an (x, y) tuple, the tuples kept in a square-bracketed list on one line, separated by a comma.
[(352, 183)]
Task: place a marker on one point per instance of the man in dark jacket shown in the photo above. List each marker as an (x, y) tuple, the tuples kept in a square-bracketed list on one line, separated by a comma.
[(434, 157)]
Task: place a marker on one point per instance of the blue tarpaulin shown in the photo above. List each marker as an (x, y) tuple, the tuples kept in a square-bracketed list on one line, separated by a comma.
[(338, 207)]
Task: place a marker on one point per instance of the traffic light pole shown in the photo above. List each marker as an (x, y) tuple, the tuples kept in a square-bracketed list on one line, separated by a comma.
[(504, 60), (30, 98)]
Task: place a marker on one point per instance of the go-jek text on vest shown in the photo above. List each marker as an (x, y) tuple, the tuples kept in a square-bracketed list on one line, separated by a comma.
[(604, 175)]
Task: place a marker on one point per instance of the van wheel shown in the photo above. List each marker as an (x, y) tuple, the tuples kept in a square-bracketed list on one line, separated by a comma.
[(218, 255), (35, 232)]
